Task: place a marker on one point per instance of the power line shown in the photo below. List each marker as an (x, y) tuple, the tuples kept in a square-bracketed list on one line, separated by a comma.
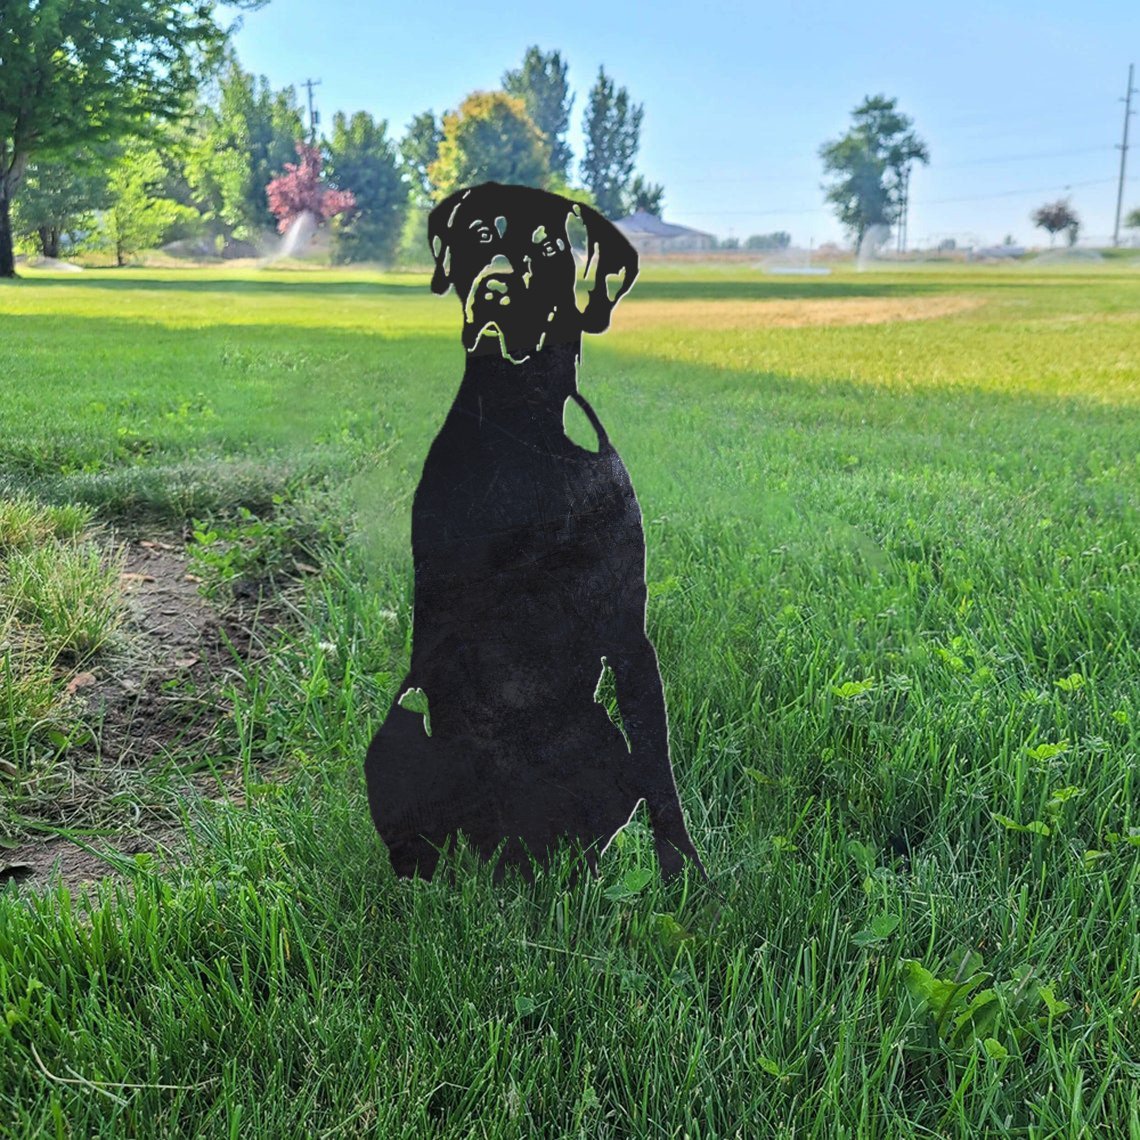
[(939, 166), (1014, 193), (1024, 157), (922, 202), (1128, 113)]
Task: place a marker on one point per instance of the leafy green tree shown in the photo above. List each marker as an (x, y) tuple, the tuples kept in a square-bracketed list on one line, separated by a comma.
[(558, 185), (1055, 217), (868, 165), (419, 148), (647, 196), (58, 197), (541, 84), (613, 134), (490, 138), (362, 159), (412, 251), (1132, 221), (74, 73), (241, 144), (137, 216)]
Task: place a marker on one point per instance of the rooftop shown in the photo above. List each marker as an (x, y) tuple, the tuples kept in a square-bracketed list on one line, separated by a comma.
[(642, 222)]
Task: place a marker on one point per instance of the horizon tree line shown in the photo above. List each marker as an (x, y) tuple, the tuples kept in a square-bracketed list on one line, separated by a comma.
[(188, 152)]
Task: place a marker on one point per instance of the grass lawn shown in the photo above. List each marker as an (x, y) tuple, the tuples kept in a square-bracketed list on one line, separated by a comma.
[(893, 527)]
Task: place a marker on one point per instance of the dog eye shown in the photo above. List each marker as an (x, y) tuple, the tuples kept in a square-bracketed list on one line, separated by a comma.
[(549, 249), (485, 236)]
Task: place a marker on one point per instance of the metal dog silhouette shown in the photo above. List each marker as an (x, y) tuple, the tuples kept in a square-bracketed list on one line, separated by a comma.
[(529, 571)]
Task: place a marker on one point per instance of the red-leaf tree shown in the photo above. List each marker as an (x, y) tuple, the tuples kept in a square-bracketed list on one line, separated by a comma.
[(300, 190)]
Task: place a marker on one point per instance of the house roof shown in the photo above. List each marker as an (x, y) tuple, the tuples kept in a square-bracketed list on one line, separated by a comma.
[(642, 222)]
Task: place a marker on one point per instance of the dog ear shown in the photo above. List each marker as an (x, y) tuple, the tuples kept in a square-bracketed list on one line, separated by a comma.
[(439, 224), (615, 256)]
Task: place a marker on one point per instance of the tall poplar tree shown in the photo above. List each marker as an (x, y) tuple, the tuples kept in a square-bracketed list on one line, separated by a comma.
[(541, 84), (613, 134)]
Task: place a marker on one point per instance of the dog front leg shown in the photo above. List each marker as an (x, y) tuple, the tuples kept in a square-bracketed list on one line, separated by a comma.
[(641, 702)]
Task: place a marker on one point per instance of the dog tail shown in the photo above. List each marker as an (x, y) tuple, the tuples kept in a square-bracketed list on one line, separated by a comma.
[(603, 439)]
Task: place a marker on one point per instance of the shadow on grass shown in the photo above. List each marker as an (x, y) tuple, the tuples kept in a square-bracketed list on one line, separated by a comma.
[(761, 288), (823, 289), (647, 288), (769, 289), (305, 283), (191, 419)]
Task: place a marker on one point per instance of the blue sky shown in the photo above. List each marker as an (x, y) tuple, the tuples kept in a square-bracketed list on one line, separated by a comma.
[(1019, 102)]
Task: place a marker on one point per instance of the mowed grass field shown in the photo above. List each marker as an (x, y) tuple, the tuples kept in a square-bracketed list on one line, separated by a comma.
[(893, 528)]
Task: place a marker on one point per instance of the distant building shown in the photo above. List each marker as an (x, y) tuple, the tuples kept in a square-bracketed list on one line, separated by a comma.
[(649, 234)]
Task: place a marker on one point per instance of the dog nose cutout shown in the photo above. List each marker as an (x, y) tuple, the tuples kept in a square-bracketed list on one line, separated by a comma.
[(500, 263)]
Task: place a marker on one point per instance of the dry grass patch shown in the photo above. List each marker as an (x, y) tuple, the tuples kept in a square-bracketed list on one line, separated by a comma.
[(738, 316), (25, 523)]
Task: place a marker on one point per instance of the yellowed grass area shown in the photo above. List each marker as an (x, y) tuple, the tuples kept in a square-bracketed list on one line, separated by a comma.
[(734, 316)]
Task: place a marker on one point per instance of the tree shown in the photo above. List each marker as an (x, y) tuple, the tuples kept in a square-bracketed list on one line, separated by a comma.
[(240, 144), (490, 138), (419, 148), (59, 196), (647, 196), (541, 84), (870, 163), (75, 73), (781, 239), (138, 216), (1055, 217), (613, 134), (560, 186), (363, 158), (300, 191), (1133, 219)]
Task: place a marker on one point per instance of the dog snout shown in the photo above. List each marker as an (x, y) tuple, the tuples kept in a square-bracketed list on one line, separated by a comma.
[(498, 279)]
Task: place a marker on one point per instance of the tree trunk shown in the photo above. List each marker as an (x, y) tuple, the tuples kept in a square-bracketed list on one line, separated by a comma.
[(7, 254), (12, 167), (49, 241)]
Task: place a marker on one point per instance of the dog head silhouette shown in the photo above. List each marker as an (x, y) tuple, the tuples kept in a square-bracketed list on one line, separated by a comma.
[(507, 252)]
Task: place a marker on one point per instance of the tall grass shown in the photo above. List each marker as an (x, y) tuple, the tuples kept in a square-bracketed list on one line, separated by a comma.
[(893, 587)]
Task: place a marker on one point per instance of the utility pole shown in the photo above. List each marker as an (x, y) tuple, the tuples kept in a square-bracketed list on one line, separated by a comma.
[(904, 207), (1123, 148), (314, 116)]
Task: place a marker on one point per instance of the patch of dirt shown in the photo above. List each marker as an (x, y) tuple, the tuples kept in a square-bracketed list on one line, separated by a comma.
[(738, 316), (38, 864), (153, 705), (149, 700)]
